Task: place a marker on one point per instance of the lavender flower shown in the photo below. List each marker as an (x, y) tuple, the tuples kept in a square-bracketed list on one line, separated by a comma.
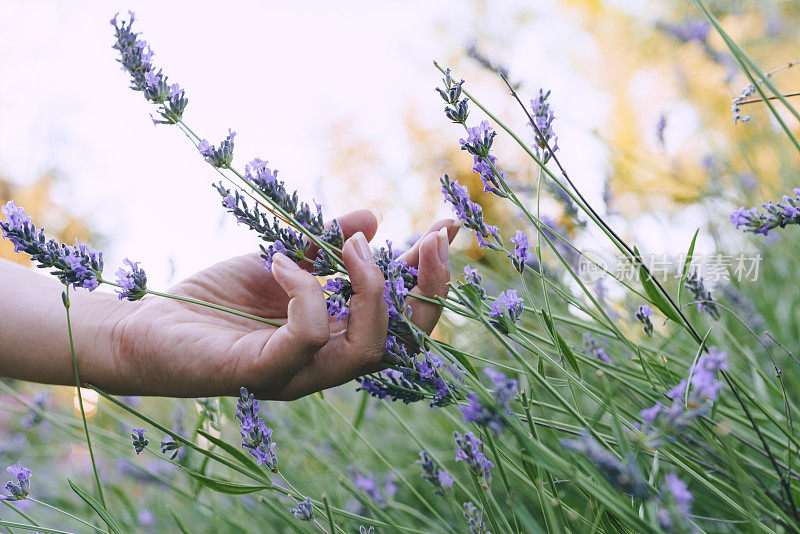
[(304, 510), (139, 441), (505, 311), (543, 116), (457, 109), (391, 384), (469, 449), (218, 157), (478, 143), (136, 57), (775, 215), (470, 213), (133, 282), (474, 518), (691, 29), (364, 530), (522, 253), (169, 444), (623, 475), (433, 473), (736, 104), (705, 300), (674, 505), (594, 349), (80, 265), (16, 491), (491, 416), (340, 293), (643, 313), (369, 484), (34, 416), (256, 437)]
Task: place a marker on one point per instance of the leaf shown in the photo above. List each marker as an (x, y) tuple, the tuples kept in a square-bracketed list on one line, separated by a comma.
[(97, 507), (686, 265), (223, 486), (182, 528), (656, 297), (462, 358), (472, 293), (565, 350)]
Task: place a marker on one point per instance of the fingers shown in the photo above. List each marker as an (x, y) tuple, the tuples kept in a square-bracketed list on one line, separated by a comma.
[(361, 346), (364, 221), (432, 279), (290, 347), (412, 255)]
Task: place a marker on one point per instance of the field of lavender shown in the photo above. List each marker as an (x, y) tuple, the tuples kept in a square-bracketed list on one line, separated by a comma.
[(577, 381)]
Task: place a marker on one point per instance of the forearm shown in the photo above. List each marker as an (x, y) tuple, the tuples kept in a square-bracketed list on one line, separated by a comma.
[(34, 340)]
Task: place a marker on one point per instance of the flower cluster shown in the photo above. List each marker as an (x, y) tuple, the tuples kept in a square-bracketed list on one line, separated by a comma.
[(391, 384), (705, 300), (368, 483), (622, 474), (478, 143), (736, 104), (34, 416), (474, 519), (80, 265), (674, 505), (220, 157), (592, 348), (474, 280), (16, 491), (256, 437), (457, 109), (133, 282), (433, 473), (136, 58), (546, 140), (522, 254), (304, 510), (776, 214), (491, 416), (469, 449), (340, 291), (505, 311), (690, 398), (139, 441), (169, 444), (469, 212), (643, 314)]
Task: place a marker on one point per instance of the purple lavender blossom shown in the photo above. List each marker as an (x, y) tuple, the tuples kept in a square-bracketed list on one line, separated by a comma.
[(218, 157), (133, 282), (136, 57), (256, 437), (522, 253), (691, 29), (304, 510), (643, 314), (139, 441), (674, 505), (16, 491), (705, 300), (34, 416), (775, 215), (491, 415), (546, 140), (505, 310), (594, 349), (736, 104), (370, 484), (340, 293), (478, 143), (433, 473), (470, 213), (622, 474), (469, 449), (79, 265), (457, 109), (474, 519)]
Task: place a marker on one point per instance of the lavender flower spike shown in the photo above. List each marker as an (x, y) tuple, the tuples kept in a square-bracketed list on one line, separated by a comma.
[(433, 473), (505, 311), (491, 416), (469, 212), (304, 510), (139, 441), (16, 491), (643, 313), (256, 437), (522, 253), (133, 283), (469, 449), (218, 157), (542, 126), (775, 215), (705, 300), (675, 503)]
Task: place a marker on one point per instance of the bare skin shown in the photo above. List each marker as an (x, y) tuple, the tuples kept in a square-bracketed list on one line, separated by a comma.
[(165, 347)]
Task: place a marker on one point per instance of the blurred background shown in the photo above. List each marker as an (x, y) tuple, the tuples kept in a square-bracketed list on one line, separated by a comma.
[(341, 100)]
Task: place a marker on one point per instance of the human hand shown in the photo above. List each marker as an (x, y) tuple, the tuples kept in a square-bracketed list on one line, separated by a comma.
[(166, 347)]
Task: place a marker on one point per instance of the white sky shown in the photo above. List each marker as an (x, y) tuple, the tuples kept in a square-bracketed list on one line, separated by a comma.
[(276, 73)]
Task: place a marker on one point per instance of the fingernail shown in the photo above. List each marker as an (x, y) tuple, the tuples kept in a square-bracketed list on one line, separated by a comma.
[(283, 262), (362, 247), (377, 213), (455, 225), (444, 245)]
